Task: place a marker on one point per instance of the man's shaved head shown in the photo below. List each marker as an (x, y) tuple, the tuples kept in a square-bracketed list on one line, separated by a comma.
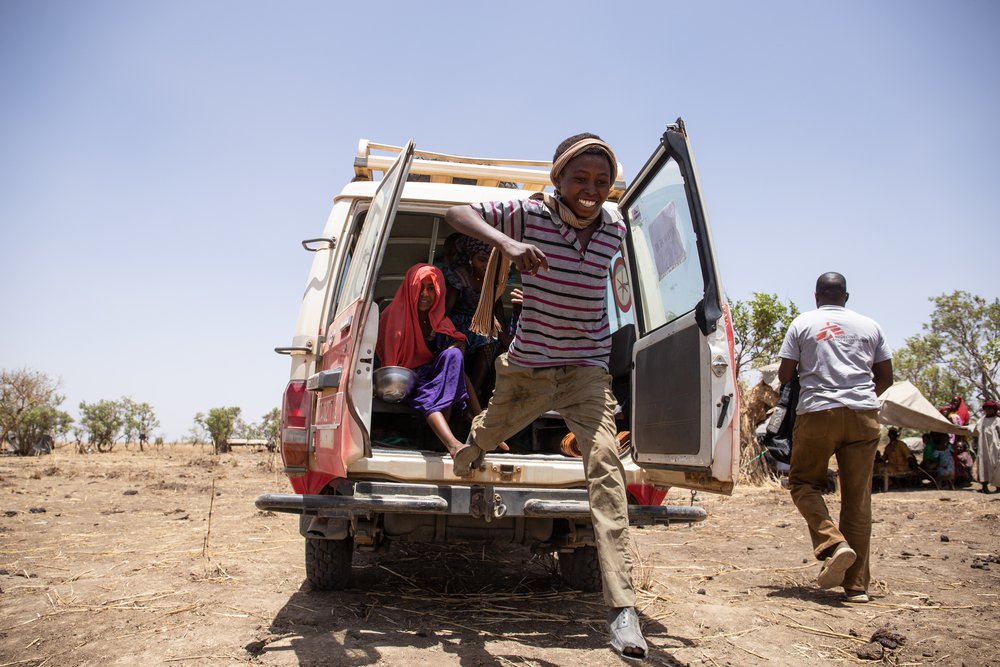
[(831, 289)]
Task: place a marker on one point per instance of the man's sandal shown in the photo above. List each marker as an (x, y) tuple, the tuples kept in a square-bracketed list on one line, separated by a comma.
[(467, 460), (626, 635)]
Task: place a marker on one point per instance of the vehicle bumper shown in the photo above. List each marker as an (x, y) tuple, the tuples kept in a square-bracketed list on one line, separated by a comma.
[(487, 502)]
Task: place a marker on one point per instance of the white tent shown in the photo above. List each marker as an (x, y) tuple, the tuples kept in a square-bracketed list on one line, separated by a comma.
[(904, 405)]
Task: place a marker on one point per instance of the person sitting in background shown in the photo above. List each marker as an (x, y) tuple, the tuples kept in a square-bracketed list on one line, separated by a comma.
[(415, 333), (451, 257), (945, 471), (898, 457), (964, 464), (928, 460), (465, 285)]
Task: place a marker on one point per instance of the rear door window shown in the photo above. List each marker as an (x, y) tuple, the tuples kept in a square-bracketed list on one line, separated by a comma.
[(665, 249)]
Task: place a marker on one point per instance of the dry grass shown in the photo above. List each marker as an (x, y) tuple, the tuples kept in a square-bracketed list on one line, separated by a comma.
[(755, 405), (642, 571)]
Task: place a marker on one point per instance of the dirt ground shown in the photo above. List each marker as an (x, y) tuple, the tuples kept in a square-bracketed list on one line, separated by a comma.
[(160, 558)]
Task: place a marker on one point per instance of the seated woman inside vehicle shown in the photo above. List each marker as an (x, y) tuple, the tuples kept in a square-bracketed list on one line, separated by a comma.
[(415, 333), (465, 284)]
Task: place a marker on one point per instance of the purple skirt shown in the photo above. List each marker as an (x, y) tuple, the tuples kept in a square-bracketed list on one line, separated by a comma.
[(440, 384)]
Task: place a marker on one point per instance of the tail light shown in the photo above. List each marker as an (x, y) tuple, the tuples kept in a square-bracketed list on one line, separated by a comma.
[(295, 428), (646, 494)]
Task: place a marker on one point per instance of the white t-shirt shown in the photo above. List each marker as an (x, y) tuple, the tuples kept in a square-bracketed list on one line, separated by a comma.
[(836, 349)]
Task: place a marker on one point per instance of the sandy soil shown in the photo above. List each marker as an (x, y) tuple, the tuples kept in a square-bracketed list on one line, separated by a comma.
[(160, 558)]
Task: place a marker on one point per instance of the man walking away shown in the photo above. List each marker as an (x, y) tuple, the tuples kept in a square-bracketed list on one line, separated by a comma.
[(843, 364)]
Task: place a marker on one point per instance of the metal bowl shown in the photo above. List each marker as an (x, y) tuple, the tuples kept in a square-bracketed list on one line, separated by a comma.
[(394, 383)]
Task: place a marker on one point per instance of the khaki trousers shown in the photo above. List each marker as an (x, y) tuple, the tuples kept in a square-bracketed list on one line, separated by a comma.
[(582, 395), (852, 436)]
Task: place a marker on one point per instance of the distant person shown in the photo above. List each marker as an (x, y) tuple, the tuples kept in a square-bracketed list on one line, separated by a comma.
[(958, 407), (944, 474), (988, 434), (928, 452), (930, 460), (898, 457), (958, 414), (843, 364), (964, 465)]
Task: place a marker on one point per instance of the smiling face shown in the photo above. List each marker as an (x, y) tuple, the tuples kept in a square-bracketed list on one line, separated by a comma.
[(585, 184), (427, 296)]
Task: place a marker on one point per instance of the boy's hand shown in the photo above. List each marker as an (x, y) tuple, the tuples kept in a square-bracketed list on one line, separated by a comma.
[(516, 299), (525, 257)]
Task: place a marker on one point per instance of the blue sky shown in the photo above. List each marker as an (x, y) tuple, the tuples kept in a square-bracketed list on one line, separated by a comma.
[(161, 161)]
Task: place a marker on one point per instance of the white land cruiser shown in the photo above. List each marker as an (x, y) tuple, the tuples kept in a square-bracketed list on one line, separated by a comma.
[(365, 471)]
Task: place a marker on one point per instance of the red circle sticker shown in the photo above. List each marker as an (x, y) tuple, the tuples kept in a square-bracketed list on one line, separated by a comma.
[(620, 285)]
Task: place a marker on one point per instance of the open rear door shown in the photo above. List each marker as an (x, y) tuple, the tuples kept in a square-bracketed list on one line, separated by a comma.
[(344, 382), (683, 385)]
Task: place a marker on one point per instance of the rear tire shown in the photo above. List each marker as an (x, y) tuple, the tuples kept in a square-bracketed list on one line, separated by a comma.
[(581, 569), (328, 563)]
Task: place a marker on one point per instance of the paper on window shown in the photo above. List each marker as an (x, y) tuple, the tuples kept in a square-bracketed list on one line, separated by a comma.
[(668, 249)]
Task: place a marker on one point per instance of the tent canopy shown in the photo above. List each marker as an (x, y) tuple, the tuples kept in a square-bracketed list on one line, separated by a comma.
[(904, 405)]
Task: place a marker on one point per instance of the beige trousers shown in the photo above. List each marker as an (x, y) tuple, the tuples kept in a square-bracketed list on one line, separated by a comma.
[(852, 436), (582, 396)]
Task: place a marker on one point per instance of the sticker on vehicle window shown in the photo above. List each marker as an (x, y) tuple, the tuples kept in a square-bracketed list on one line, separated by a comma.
[(668, 248), (622, 289), (635, 215)]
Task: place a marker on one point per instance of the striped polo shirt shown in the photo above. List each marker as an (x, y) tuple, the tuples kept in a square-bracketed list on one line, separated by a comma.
[(564, 319)]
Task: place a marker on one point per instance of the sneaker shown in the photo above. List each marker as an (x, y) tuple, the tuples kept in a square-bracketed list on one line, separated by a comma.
[(856, 596), (831, 574), (467, 461), (626, 635)]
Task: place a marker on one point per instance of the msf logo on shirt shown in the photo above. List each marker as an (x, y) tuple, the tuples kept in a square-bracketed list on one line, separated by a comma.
[(829, 332)]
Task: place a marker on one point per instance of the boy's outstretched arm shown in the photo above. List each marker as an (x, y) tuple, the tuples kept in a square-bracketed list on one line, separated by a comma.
[(525, 257)]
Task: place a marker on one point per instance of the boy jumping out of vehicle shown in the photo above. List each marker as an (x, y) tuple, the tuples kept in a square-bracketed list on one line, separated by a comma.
[(559, 357)]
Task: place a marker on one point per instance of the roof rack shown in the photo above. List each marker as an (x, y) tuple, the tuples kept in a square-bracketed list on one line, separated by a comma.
[(444, 168)]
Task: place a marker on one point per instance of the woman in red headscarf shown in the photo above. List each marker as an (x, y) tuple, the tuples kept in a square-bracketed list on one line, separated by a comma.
[(414, 332), (959, 408)]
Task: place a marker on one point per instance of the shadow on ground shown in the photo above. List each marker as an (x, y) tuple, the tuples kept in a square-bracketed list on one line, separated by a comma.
[(460, 601)]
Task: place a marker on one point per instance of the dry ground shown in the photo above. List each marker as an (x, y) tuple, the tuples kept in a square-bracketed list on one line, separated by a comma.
[(160, 558)]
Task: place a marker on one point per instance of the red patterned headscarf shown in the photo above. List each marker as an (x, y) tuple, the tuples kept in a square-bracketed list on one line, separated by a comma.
[(959, 407)]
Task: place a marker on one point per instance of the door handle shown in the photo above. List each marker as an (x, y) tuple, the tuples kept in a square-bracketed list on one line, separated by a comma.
[(724, 403), (315, 245), (293, 349)]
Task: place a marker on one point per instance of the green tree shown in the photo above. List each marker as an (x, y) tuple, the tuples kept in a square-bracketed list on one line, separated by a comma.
[(271, 427), (140, 420), (104, 421), (220, 424), (959, 351), (759, 327), (915, 361), (29, 409)]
